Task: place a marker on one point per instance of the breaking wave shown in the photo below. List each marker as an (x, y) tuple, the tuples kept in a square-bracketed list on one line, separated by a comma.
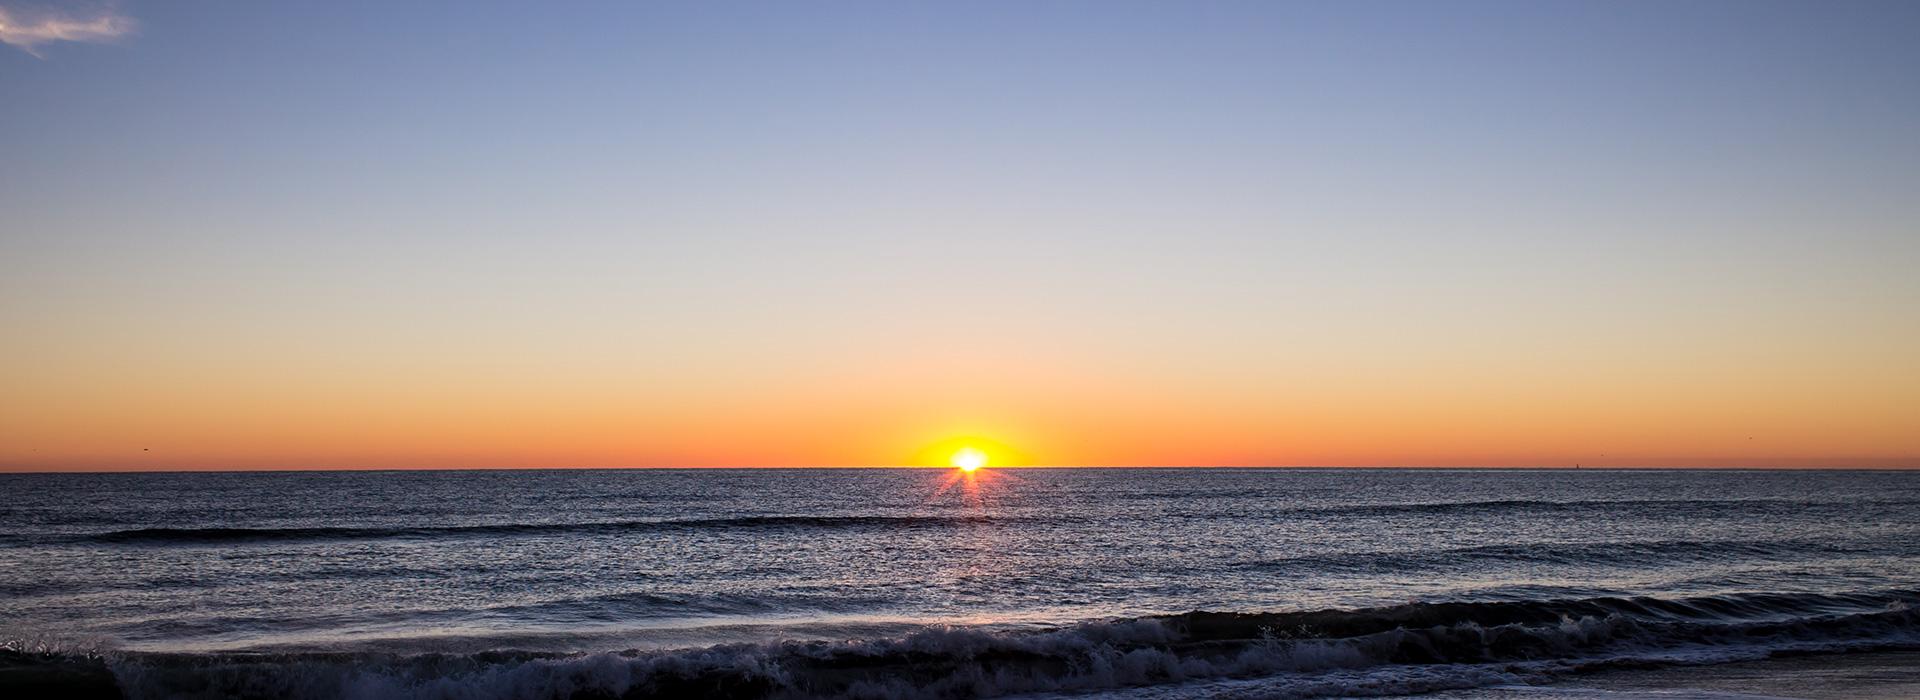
[(1414, 647)]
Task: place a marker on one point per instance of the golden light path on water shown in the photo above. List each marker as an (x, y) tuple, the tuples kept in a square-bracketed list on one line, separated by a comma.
[(973, 480)]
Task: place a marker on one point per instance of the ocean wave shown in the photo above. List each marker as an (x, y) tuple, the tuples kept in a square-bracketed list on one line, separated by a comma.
[(1390, 650), (1633, 553), (1689, 505), (220, 535)]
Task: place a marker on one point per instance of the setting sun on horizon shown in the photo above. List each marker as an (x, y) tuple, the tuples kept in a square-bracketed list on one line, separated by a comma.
[(968, 459)]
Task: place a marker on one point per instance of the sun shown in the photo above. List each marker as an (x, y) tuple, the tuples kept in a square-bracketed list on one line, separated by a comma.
[(967, 459), (967, 453)]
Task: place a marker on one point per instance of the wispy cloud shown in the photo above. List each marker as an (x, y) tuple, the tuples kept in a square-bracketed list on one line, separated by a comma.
[(29, 28)]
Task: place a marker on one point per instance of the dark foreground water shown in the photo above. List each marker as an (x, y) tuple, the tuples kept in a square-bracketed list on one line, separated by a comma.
[(922, 583)]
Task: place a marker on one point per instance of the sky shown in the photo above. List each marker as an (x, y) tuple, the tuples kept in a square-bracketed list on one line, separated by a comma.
[(348, 234)]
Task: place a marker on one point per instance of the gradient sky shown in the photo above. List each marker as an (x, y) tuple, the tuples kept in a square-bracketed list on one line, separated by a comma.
[(407, 234)]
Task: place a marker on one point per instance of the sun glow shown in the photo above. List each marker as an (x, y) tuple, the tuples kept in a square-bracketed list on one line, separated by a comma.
[(967, 459)]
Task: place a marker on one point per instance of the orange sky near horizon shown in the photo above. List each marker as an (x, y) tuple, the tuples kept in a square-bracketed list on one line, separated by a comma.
[(214, 408)]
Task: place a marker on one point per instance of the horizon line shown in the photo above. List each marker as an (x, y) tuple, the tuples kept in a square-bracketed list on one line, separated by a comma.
[(1304, 467)]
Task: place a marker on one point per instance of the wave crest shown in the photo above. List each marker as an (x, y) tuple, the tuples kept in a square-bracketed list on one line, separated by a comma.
[(1391, 650), (224, 535)]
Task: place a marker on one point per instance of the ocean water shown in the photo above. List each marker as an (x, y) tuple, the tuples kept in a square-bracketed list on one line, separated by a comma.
[(928, 583)]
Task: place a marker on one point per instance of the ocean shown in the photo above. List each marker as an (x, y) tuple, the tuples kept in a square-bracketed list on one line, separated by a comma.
[(930, 583)]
